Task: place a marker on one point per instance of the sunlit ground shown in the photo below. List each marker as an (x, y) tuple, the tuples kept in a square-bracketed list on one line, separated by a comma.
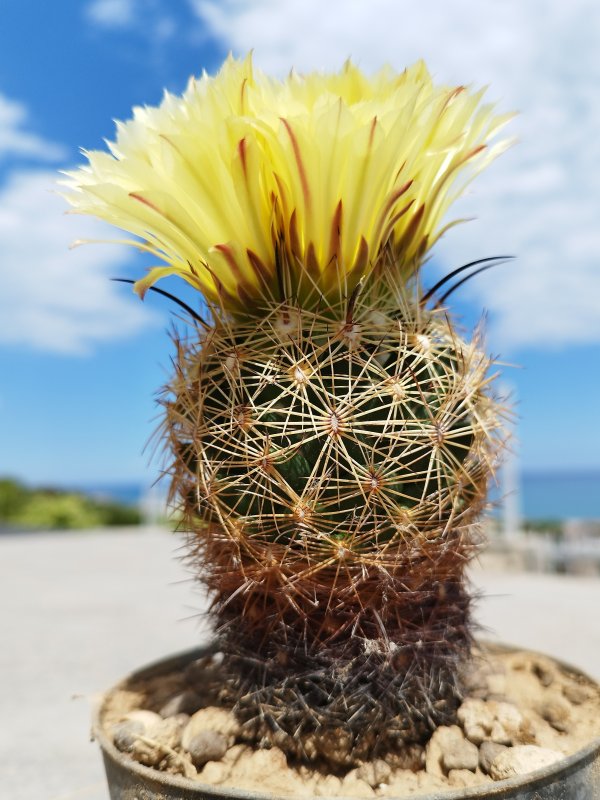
[(83, 609)]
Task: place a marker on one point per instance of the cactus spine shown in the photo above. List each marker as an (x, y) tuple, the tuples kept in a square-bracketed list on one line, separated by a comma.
[(331, 467), (331, 435)]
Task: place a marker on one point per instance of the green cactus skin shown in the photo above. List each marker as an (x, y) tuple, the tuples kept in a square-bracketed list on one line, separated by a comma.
[(331, 468)]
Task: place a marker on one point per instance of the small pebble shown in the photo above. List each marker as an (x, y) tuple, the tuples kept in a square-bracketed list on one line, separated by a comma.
[(460, 755), (214, 772), (187, 702), (126, 733), (327, 786), (557, 711), (462, 778), (529, 729), (507, 722), (544, 672), (236, 752), (519, 662), (148, 718), (265, 771), (168, 732), (522, 759), (477, 683), (442, 740), (374, 772), (487, 753), (352, 786), (577, 693), (211, 718), (147, 752), (206, 746), (496, 685), (476, 718)]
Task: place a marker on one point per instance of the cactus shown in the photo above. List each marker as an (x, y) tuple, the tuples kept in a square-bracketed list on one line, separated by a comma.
[(330, 434)]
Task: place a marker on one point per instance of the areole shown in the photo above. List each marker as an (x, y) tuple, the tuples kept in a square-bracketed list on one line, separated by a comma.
[(576, 777)]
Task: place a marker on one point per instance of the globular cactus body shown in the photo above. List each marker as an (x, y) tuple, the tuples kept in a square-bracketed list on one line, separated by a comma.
[(331, 467)]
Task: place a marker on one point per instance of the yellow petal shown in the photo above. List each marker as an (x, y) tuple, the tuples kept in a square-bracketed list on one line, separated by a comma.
[(245, 176)]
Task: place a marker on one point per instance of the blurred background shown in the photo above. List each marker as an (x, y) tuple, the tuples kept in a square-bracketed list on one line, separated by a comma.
[(81, 358)]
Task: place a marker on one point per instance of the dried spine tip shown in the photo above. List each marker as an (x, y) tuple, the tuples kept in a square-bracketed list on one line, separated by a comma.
[(299, 375)]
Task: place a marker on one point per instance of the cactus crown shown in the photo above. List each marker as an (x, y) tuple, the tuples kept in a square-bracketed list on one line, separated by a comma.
[(330, 436)]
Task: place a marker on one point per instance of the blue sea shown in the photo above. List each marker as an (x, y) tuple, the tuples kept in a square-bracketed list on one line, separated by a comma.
[(542, 495), (554, 495)]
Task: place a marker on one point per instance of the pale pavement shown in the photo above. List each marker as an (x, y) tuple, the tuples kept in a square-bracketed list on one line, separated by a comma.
[(79, 610)]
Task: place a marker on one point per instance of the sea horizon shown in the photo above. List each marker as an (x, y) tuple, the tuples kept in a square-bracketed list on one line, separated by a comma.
[(541, 494)]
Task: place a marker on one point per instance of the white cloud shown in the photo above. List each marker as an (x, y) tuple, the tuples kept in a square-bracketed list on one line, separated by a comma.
[(148, 18), (541, 200), (53, 299), (112, 13), (15, 141)]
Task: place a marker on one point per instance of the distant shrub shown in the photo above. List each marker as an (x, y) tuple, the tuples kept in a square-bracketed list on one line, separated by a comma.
[(13, 496), (51, 508), (548, 526)]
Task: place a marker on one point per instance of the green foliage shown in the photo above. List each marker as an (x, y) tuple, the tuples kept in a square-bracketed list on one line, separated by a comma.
[(553, 526), (13, 497), (53, 509)]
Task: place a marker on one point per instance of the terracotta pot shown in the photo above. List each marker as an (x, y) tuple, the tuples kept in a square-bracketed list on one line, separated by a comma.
[(574, 778)]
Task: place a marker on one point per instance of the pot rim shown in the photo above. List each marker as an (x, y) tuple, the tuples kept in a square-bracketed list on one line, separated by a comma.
[(532, 780)]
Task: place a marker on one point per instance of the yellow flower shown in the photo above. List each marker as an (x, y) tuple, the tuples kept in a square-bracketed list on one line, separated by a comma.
[(249, 187)]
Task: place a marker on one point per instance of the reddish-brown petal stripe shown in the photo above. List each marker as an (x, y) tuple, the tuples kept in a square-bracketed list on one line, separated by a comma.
[(393, 220), (170, 142), (294, 241), (279, 265), (279, 201), (259, 267), (474, 152), (229, 257), (335, 243), (409, 233), (395, 195), (299, 162), (196, 275), (447, 176), (454, 93), (361, 260), (422, 249), (392, 199), (400, 171), (226, 250), (141, 199), (312, 265), (243, 95), (246, 300), (223, 295), (448, 100), (242, 152), (372, 131)]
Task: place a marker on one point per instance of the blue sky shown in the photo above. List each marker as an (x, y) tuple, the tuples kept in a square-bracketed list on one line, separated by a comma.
[(81, 358)]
